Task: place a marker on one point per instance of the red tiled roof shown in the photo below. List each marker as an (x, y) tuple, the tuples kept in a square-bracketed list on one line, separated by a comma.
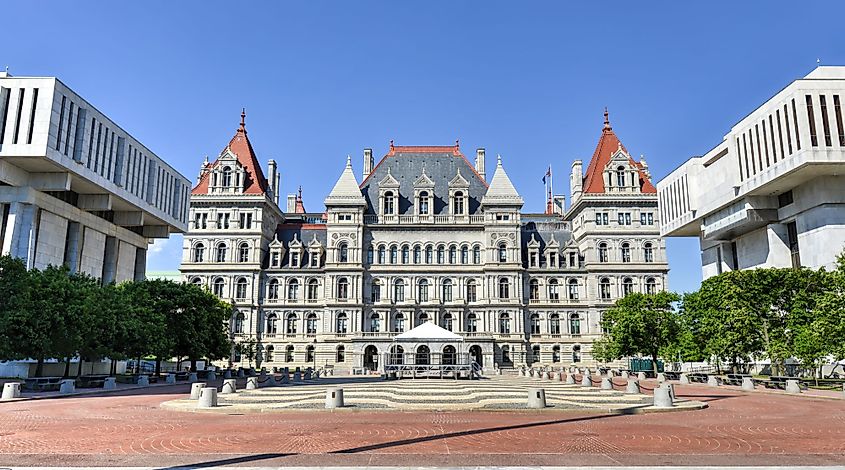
[(453, 149), (607, 146), (255, 183)]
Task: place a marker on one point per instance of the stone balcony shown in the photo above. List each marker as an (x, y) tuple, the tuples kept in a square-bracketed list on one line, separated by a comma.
[(424, 219)]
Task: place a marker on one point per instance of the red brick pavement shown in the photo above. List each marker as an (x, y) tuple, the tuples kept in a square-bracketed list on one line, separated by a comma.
[(131, 429)]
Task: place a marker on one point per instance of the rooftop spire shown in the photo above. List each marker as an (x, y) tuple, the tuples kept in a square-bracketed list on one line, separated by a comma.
[(243, 118), (607, 119)]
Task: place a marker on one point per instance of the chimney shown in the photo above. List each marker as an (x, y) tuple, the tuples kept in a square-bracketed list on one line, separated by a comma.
[(278, 188), (576, 180), (274, 186), (368, 162), (479, 163), (291, 204)]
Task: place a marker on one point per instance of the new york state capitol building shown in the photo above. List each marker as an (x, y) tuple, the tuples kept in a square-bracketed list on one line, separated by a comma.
[(426, 236)]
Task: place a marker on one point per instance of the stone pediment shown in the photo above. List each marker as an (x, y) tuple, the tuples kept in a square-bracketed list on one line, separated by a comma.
[(423, 181), (459, 181), (388, 181)]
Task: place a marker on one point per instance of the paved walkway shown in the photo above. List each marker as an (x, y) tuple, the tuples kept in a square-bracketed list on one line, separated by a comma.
[(132, 429)]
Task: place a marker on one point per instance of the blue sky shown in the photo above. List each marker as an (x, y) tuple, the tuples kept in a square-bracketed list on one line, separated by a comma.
[(527, 80)]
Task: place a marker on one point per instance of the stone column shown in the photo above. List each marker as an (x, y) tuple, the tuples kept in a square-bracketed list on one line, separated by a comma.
[(536, 398)]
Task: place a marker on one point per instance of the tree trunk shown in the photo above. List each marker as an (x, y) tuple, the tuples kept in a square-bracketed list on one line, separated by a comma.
[(39, 367), (79, 367), (67, 368), (138, 365), (193, 364), (654, 363), (158, 365)]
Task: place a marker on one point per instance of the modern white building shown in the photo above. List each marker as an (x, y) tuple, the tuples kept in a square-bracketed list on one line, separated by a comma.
[(424, 236), (772, 193), (75, 188)]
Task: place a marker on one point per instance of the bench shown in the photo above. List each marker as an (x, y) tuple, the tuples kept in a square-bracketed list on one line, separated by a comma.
[(91, 381), (672, 375), (735, 379), (697, 377), (42, 384)]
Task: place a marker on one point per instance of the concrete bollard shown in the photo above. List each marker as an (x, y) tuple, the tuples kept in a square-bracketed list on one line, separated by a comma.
[(684, 379), (536, 398), (792, 386), (67, 386), (211, 377), (143, 381), (227, 374), (624, 374), (251, 383), (606, 384), (110, 383), (661, 377), (334, 397), (586, 381), (207, 398), (498, 371), (241, 373), (570, 379), (641, 376), (229, 386), (712, 381), (663, 397), (11, 390), (747, 384), (633, 386), (297, 376), (196, 387), (671, 389), (170, 379), (586, 371), (192, 377)]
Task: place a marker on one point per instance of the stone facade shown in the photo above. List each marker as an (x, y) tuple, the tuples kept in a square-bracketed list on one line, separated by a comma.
[(771, 193), (424, 237), (75, 188)]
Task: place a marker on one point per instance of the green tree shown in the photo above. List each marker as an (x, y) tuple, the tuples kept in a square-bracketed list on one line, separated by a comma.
[(22, 335), (247, 348), (640, 324)]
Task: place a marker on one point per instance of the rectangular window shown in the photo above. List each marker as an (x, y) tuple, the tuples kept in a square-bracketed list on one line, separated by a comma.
[(751, 147), (601, 218), (734, 256), (61, 124), (814, 140), (739, 159), (837, 109), (784, 199), (772, 137), (91, 141), (792, 234), (32, 115), (759, 152), (5, 97), (745, 154), (18, 116), (795, 123), (69, 125), (765, 143), (624, 218), (788, 132), (79, 133), (825, 120)]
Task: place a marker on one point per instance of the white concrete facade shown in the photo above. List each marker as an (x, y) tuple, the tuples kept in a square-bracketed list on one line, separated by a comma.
[(772, 193), (75, 188)]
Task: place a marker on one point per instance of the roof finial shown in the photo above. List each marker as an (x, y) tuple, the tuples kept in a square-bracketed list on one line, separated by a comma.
[(243, 118), (300, 192), (498, 160), (818, 62), (606, 119), (391, 145), (457, 143), (348, 161)]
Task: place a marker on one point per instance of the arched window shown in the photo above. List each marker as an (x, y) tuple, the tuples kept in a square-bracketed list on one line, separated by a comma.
[(217, 286), (227, 176), (602, 252), (446, 321), (504, 323), (375, 322), (604, 288), (535, 353), (472, 323), (293, 290), (196, 281), (405, 254), (423, 318), (388, 203), (576, 353), (199, 253), (476, 255), (220, 253), (381, 253), (289, 354), (472, 291), (340, 355), (340, 324), (428, 255), (464, 255), (309, 354), (394, 255), (554, 293), (422, 290), (627, 286), (399, 323), (625, 251), (573, 289), (556, 354), (290, 324), (441, 252), (424, 203), (447, 290), (311, 324), (417, 255), (575, 324), (533, 289), (271, 323), (273, 289), (459, 203), (343, 288), (648, 253), (504, 288), (375, 291), (620, 176), (453, 258), (423, 355), (650, 286), (399, 291), (370, 255), (268, 353), (535, 323), (554, 324), (243, 253), (313, 287), (238, 323), (343, 253), (503, 253), (240, 288)]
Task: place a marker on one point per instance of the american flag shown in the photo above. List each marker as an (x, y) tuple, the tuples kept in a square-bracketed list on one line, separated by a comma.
[(548, 174)]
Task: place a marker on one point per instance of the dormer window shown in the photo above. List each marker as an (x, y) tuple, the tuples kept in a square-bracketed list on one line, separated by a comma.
[(424, 201), (458, 203), (227, 176), (620, 176), (294, 260), (458, 190), (388, 203)]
